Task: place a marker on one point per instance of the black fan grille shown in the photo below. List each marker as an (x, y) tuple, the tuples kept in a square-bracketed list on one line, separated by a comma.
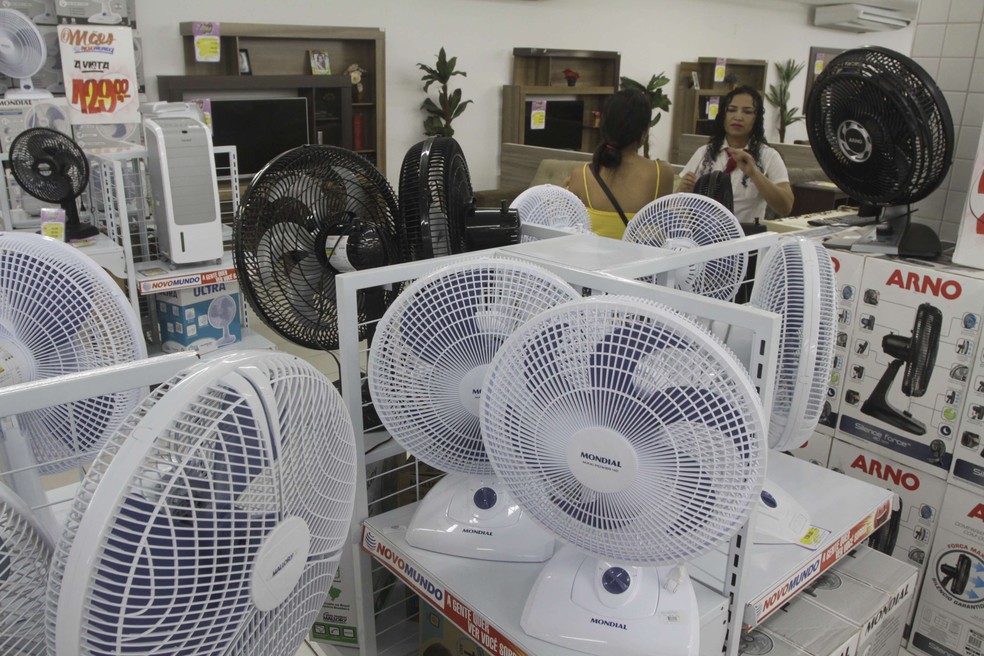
[(923, 347), (49, 165), (880, 127), (295, 209), (436, 198)]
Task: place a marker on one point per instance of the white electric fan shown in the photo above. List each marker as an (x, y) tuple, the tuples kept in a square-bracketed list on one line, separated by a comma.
[(213, 520), (684, 221), (25, 556), (551, 206), (60, 313), (106, 15), (636, 436), (222, 311), (426, 370), (796, 281), (22, 54)]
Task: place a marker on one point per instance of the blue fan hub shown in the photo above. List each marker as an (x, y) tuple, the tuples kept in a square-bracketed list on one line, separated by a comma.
[(616, 580), (485, 498), (768, 499)]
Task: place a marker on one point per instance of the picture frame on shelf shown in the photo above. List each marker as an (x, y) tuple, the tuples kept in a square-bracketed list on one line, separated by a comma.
[(245, 68), (320, 62), (814, 66)]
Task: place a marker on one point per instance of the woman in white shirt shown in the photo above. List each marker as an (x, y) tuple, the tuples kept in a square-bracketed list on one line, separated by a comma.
[(738, 147)]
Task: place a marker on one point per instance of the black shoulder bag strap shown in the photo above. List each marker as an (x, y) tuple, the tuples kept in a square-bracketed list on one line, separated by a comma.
[(608, 192)]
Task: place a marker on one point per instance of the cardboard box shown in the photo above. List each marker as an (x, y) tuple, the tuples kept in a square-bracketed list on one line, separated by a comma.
[(816, 449), (873, 591), (19, 115), (41, 12), (950, 614), (917, 428), (801, 628), (848, 268), (915, 514), (968, 451), (84, 12), (201, 318), (441, 637)]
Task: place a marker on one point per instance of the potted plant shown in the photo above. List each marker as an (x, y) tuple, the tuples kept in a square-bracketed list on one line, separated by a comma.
[(778, 95), (658, 101), (571, 76), (449, 106)]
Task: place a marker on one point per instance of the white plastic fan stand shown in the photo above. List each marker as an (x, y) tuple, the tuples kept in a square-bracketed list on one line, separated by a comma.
[(477, 517), (602, 607), (107, 16), (781, 518)]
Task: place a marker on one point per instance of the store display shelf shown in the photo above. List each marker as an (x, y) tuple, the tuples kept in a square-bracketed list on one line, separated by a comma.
[(107, 254), (850, 509), (485, 599), (156, 276)]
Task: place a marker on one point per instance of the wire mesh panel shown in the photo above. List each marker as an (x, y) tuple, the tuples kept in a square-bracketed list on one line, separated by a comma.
[(551, 206)]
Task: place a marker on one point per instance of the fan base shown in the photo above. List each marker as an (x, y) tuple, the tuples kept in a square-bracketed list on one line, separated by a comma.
[(78, 231), (19, 93), (784, 523), (448, 521), (901, 237), (898, 418), (569, 606)]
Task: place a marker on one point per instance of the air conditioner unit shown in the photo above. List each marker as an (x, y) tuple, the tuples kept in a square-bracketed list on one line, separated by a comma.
[(860, 18), (181, 167)]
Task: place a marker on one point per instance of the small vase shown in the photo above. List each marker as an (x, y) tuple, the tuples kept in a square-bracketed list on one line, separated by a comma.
[(571, 82)]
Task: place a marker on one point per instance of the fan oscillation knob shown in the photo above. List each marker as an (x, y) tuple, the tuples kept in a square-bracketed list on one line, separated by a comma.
[(485, 498), (769, 500), (616, 580)]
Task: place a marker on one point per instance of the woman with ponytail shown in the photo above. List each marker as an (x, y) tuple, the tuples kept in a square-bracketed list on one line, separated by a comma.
[(619, 181)]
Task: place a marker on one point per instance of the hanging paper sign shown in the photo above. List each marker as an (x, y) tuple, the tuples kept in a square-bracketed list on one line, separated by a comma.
[(100, 73), (538, 115), (819, 63), (713, 103), (720, 67), (206, 41)]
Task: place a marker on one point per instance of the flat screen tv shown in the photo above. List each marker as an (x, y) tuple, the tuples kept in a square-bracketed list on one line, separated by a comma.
[(561, 123), (259, 128)]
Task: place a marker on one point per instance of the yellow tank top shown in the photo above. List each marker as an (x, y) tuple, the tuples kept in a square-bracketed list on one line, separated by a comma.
[(607, 223)]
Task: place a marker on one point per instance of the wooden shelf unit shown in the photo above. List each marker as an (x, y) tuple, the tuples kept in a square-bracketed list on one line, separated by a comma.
[(282, 51), (538, 73), (689, 111)]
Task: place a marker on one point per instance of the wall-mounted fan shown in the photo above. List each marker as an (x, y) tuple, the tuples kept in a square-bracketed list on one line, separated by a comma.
[(213, 520), (717, 185), (685, 221), (551, 206), (918, 354), (796, 281), (882, 131), (51, 167), (311, 213), (25, 556), (426, 370), (438, 206), (22, 54), (61, 313), (635, 435)]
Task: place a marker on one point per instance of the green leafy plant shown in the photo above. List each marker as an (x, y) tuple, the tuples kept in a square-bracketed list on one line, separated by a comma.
[(658, 101), (778, 95), (449, 105)]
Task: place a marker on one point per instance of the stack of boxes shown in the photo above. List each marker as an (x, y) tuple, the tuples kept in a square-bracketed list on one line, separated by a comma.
[(906, 412)]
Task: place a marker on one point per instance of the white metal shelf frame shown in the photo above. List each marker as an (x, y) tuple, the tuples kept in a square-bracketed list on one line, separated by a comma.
[(592, 278)]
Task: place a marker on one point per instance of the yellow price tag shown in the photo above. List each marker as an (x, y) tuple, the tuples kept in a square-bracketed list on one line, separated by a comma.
[(207, 48), (811, 537)]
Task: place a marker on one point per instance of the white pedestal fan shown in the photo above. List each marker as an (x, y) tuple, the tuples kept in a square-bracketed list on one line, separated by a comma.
[(22, 54), (551, 206), (634, 435), (426, 371)]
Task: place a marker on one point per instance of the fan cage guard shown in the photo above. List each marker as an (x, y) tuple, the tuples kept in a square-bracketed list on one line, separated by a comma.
[(25, 557), (289, 216), (433, 345), (49, 165), (27, 51), (683, 221), (551, 206), (797, 282), (66, 314), (196, 478), (435, 198), (661, 388), (880, 127)]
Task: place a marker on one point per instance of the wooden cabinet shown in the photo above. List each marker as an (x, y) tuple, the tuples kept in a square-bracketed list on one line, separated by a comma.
[(694, 106), (567, 114), (282, 51)]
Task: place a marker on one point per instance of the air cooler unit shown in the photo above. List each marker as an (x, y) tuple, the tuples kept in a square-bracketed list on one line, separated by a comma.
[(181, 166), (861, 18)]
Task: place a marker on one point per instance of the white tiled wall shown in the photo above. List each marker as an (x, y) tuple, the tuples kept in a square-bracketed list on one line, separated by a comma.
[(949, 44)]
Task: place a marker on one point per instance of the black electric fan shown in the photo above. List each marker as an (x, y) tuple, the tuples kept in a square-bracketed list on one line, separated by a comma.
[(51, 167), (717, 185), (309, 214), (438, 206), (882, 131), (956, 576), (918, 354)]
